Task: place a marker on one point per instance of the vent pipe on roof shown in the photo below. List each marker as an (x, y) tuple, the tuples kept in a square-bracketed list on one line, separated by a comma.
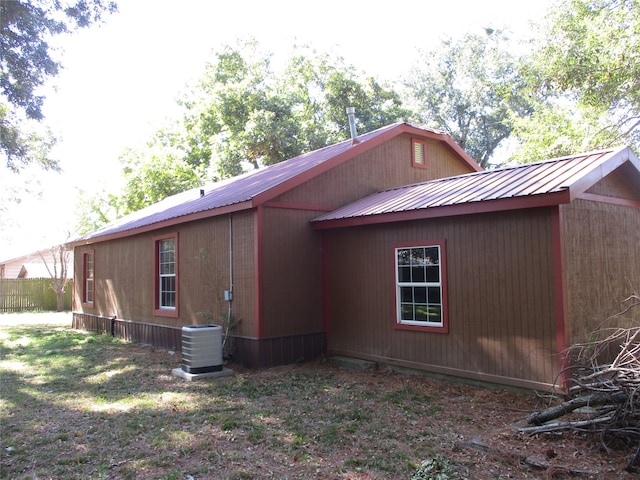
[(351, 114), (201, 193)]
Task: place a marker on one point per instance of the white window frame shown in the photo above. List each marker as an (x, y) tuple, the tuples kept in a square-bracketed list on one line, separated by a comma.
[(425, 274), (166, 271), (89, 266)]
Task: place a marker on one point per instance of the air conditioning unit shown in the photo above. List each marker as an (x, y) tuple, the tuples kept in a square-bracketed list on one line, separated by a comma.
[(201, 348)]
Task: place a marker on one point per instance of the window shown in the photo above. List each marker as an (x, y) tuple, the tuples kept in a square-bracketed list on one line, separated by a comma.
[(421, 287), (166, 276), (88, 275), (418, 153)]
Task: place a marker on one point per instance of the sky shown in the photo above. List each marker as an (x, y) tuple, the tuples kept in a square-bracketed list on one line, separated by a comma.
[(121, 79)]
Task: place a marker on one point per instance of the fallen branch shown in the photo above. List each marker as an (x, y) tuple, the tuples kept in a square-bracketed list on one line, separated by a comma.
[(605, 379), (594, 400)]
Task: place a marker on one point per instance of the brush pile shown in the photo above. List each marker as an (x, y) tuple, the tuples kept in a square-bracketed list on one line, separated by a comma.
[(603, 390)]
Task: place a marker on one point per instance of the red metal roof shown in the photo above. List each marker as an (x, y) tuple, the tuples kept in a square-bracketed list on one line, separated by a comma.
[(535, 184), (256, 187)]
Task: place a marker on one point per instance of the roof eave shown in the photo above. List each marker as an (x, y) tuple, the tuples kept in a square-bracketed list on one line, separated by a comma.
[(470, 208), (214, 212)]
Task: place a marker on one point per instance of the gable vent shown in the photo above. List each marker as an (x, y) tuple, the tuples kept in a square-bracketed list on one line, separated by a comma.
[(419, 153)]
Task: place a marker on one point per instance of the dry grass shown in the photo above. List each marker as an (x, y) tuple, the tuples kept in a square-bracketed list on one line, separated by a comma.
[(86, 406)]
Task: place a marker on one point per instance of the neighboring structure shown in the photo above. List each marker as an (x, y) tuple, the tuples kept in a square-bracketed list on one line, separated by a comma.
[(31, 265), (484, 275)]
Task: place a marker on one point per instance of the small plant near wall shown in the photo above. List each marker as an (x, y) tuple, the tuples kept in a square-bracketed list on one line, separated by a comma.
[(213, 281)]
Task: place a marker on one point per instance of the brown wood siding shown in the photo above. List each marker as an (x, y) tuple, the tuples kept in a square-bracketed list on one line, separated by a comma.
[(500, 297), (385, 166), (124, 278), (602, 243), (619, 184), (291, 276)]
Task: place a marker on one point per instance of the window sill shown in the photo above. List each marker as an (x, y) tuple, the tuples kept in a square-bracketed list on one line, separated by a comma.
[(165, 312), (420, 328)]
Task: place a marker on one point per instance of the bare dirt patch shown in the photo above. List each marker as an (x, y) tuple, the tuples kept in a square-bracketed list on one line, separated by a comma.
[(78, 405)]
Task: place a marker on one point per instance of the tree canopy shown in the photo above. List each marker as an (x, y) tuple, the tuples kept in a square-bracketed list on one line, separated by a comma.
[(243, 113), (26, 62), (470, 88), (586, 66)]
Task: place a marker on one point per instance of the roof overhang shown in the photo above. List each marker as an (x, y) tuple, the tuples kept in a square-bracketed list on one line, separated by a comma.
[(171, 222), (470, 208)]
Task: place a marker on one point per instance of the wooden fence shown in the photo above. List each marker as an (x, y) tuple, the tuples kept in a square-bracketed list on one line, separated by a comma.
[(30, 294)]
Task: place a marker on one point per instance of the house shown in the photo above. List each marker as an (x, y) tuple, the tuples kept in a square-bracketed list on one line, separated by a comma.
[(32, 265), (393, 246)]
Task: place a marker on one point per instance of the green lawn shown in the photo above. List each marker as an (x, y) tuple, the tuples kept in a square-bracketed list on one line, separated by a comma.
[(77, 405)]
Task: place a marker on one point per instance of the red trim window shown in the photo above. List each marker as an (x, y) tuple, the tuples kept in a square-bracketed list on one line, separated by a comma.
[(418, 153), (166, 276), (421, 286), (88, 278)]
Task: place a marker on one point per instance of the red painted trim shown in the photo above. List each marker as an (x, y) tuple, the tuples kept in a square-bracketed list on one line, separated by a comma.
[(415, 164), (326, 323), (470, 208), (443, 284), (157, 311), (166, 223), (257, 271), (300, 206), (559, 286), (625, 202)]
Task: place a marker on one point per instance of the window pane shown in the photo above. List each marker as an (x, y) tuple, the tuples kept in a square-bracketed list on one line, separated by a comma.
[(435, 314), (421, 313), (417, 274), (404, 274), (406, 312), (406, 295), (404, 256), (433, 274), (420, 295), (432, 255), (417, 256), (89, 292), (434, 295), (167, 291)]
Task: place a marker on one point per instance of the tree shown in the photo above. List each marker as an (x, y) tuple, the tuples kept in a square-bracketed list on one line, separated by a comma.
[(243, 114), (26, 63), (589, 52), (244, 111), (471, 89), (57, 270), (557, 128)]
